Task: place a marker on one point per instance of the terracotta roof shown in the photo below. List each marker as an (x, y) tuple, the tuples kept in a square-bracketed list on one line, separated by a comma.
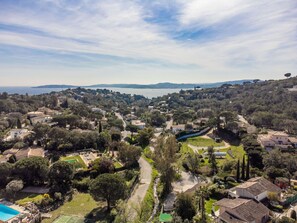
[(22, 153), (243, 210), (259, 185), (38, 151)]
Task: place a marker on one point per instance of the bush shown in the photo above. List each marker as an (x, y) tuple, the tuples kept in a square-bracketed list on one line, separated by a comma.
[(82, 185)]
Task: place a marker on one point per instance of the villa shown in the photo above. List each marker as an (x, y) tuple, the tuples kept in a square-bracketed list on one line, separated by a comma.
[(255, 188), (276, 139), (138, 123), (15, 134)]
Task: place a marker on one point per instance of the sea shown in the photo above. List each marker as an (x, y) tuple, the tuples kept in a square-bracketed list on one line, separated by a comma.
[(148, 93)]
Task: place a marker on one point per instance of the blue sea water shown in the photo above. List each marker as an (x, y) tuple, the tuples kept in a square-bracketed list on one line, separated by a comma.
[(149, 93), (7, 213)]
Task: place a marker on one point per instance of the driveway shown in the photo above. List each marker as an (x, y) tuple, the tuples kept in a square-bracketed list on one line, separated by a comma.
[(140, 191), (186, 182)]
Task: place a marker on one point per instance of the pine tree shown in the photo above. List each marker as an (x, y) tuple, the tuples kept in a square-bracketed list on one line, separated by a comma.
[(243, 169), (238, 171), (247, 175)]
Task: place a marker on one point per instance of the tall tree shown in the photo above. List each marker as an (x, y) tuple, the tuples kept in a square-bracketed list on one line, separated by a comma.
[(60, 177), (165, 157), (201, 195), (111, 187), (238, 171), (100, 127), (247, 175), (243, 168), (19, 124)]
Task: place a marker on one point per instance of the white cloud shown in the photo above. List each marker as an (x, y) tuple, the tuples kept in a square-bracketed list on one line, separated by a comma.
[(261, 34)]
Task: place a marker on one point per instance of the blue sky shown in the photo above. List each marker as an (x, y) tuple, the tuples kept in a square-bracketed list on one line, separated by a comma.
[(143, 41)]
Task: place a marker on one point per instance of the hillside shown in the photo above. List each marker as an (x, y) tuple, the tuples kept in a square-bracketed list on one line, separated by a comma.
[(270, 104)]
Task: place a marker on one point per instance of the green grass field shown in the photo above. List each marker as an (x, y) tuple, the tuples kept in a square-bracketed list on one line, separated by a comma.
[(69, 219), (81, 205), (203, 142), (76, 160)]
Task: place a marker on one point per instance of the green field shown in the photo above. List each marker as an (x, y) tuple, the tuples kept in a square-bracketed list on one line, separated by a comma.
[(203, 142), (76, 160), (81, 205), (69, 219)]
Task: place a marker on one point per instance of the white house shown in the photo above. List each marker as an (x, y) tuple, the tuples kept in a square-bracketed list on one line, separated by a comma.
[(255, 188), (138, 123), (17, 134)]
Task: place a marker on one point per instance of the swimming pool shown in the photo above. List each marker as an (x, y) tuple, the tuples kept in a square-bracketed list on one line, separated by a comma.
[(7, 213)]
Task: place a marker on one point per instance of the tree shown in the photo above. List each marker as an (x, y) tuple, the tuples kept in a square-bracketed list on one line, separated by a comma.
[(60, 177), (103, 140), (100, 127), (144, 136), (41, 132), (110, 187), (14, 186), (201, 195), (243, 168), (212, 160), (165, 157), (185, 207), (129, 155), (102, 165), (5, 173), (115, 134), (238, 171), (19, 124), (247, 175), (33, 170), (193, 162)]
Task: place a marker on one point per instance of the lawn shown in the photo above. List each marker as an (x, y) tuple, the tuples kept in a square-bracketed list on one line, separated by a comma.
[(237, 151), (208, 205), (25, 198), (184, 151), (76, 160), (80, 206), (203, 142)]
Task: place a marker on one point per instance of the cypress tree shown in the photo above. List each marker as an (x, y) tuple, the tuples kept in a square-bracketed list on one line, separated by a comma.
[(238, 171), (243, 169), (100, 127), (19, 124), (247, 175)]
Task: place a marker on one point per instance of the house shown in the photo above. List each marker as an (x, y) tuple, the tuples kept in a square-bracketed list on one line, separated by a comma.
[(241, 211), (98, 110), (255, 188), (30, 152), (15, 134), (276, 139), (178, 128), (138, 123), (41, 119)]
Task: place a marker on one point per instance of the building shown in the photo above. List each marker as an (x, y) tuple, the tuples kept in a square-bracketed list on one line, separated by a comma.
[(17, 134), (277, 139), (241, 211), (41, 119), (138, 123), (256, 188), (178, 128)]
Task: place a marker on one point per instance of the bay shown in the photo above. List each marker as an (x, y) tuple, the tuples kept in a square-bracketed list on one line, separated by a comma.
[(149, 93)]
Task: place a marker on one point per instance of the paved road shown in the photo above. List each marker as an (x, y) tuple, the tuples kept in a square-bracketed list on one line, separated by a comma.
[(140, 191), (124, 133)]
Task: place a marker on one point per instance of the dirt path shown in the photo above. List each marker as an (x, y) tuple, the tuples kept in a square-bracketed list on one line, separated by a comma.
[(197, 148)]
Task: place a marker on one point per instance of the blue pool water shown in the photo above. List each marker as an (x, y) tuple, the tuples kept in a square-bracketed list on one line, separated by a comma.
[(7, 213)]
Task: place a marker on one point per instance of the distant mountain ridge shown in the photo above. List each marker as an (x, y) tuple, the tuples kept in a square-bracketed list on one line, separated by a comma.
[(164, 85)]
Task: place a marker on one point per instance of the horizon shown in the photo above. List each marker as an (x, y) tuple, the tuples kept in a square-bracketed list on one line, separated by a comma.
[(84, 42)]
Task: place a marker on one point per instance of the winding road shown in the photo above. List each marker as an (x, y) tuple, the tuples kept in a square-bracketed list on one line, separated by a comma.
[(140, 191)]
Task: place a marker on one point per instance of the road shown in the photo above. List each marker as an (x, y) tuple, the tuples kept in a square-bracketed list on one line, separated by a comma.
[(124, 133), (140, 191)]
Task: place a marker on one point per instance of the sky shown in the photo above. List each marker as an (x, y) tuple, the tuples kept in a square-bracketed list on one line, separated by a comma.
[(84, 42)]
